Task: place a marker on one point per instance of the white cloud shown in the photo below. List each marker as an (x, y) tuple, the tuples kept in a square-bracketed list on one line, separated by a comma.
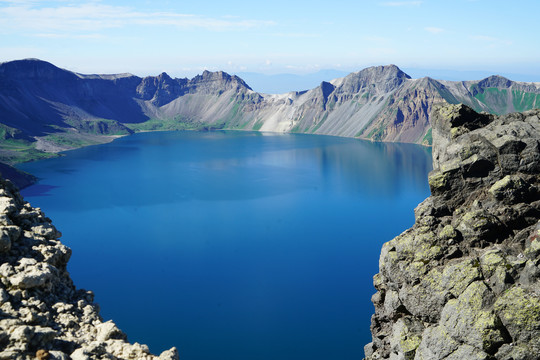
[(492, 41), (434, 30), (26, 15), (401, 3)]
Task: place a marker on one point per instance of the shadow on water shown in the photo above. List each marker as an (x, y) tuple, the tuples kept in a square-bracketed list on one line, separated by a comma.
[(38, 190)]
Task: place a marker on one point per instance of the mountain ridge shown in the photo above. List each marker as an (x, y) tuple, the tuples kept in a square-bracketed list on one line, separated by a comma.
[(46, 109)]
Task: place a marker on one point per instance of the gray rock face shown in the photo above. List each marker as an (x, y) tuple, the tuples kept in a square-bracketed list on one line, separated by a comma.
[(40, 308), (464, 281)]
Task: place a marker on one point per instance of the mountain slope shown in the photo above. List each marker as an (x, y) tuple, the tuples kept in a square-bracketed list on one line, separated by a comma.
[(45, 109)]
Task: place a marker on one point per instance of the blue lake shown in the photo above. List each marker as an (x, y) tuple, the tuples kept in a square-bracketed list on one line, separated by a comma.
[(233, 245)]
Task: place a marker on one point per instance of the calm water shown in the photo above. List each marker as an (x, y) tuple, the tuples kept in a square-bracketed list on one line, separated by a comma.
[(233, 245)]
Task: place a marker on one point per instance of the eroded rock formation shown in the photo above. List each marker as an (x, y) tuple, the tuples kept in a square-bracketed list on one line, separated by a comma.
[(42, 314), (464, 281)]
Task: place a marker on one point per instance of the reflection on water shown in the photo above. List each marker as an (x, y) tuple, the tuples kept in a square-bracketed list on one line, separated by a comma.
[(235, 245), (235, 166), (366, 167)]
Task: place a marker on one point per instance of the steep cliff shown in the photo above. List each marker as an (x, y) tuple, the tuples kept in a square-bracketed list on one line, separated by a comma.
[(42, 314), (464, 281)]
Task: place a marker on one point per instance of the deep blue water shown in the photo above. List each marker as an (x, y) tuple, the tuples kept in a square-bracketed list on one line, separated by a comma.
[(233, 245)]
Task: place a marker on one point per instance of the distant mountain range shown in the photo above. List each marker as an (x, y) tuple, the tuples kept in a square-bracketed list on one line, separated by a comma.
[(45, 109)]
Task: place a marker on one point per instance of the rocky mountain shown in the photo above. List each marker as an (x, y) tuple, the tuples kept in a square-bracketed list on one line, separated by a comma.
[(45, 109), (464, 281), (42, 314)]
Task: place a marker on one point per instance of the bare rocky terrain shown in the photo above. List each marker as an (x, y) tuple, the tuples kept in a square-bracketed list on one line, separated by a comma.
[(464, 281)]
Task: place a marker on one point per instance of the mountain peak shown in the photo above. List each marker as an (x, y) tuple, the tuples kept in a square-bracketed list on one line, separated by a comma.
[(218, 77), (385, 71), (28, 61), (383, 78), (164, 76), (33, 69), (495, 81)]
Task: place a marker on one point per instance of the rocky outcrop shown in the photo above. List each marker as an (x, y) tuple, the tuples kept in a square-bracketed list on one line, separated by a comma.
[(42, 314), (464, 281)]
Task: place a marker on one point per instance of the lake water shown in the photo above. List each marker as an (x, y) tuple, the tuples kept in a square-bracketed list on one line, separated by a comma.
[(233, 245)]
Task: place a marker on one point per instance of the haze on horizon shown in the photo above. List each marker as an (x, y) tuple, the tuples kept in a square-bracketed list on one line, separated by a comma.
[(184, 38)]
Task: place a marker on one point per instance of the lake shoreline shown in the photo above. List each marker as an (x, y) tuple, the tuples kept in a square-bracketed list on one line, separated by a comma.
[(57, 150)]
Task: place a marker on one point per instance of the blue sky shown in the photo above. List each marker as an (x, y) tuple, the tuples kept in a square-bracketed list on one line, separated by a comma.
[(186, 37)]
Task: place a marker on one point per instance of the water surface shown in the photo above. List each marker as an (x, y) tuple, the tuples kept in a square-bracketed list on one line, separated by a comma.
[(233, 245)]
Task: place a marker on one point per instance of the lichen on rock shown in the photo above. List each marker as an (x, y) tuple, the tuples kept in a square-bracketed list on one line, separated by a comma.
[(464, 281), (42, 314)]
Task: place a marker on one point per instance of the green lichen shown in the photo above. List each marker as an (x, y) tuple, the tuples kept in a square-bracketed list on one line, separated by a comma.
[(534, 248), (455, 132), (506, 184), (501, 184), (406, 336), (469, 320), (491, 260), (410, 343), (416, 269), (475, 220), (437, 180), (520, 312), (448, 232), (378, 280), (457, 277)]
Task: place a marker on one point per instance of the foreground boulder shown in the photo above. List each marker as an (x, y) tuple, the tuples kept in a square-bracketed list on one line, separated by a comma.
[(42, 314), (464, 281)]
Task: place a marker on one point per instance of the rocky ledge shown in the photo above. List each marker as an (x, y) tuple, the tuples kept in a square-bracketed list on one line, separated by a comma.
[(463, 282), (42, 314)]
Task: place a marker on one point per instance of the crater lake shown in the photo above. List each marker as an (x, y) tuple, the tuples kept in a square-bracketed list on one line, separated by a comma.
[(233, 245)]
